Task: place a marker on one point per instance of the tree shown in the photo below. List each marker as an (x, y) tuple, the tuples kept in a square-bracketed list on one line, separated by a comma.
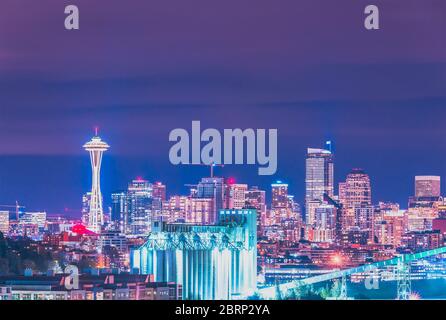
[(4, 266)]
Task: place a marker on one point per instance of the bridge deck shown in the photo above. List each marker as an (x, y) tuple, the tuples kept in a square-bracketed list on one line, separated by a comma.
[(270, 292)]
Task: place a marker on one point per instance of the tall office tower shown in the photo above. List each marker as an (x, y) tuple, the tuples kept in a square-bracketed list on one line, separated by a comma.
[(310, 211), (159, 191), (279, 195), (201, 211), (295, 214), (342, 193), (427, 186), (347, 218), (118, 211), (389, 224), (423, 208), (325, 223), (294, 208), (139, 212), (159, 198), (235, 195), (356, 198), (356, 189), (4, 222), (85, 207), (175, 208), (318, 179), (256, 199), (96, 147), (212, 188)]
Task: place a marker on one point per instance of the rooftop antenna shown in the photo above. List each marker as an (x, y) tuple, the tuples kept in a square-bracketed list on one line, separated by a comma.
[(212, 165), (328, 144), (96, 131)]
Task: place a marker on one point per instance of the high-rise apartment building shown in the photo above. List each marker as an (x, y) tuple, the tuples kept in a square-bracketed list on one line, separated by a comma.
[(235, 195), (427, 186), (176, 208), (4, 222), (201, 211), (159, 191), (279, 195), (212, 188), (318, 179), (256, 198), (139, 215), (86, 198), (356, 190), (423, 208), (119, 208), (325, 223), (132, 211), (355, 195)]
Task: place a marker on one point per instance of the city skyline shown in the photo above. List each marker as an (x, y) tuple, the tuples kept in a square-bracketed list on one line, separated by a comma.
[(200, 151), (194, 173)]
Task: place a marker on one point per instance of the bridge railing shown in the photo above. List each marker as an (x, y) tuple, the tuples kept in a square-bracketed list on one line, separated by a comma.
[(270, 292)]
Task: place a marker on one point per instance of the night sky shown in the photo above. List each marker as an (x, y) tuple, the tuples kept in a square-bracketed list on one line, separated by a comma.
[(140, 68)]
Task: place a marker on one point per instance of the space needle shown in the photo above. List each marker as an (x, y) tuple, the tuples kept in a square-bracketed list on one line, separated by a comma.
[(96, 147)]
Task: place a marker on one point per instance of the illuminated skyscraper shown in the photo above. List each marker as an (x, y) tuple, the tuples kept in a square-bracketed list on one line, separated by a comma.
[(118, 210), (427, 186), (176, 207), (96, 147), (159, 191), (280, 195), (318, 179), (4, 222), (356, 198), (133, 210), (86, 207), (356, 189), (200, 211), (235, 195), (325, 223), (139, 207), (424, 206), (212, 188), (256, 198)]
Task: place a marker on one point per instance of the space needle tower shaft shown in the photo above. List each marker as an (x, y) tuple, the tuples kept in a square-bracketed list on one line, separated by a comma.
[(96, 147)]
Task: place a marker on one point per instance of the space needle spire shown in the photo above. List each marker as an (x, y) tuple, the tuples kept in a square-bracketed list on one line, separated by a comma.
[(96, 147)]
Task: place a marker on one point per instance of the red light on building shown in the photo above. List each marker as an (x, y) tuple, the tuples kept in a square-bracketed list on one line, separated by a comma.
[(80, 229), (231, 180)]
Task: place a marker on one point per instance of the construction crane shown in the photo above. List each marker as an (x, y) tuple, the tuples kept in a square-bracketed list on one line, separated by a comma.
[(17, 208), (211, 165)]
